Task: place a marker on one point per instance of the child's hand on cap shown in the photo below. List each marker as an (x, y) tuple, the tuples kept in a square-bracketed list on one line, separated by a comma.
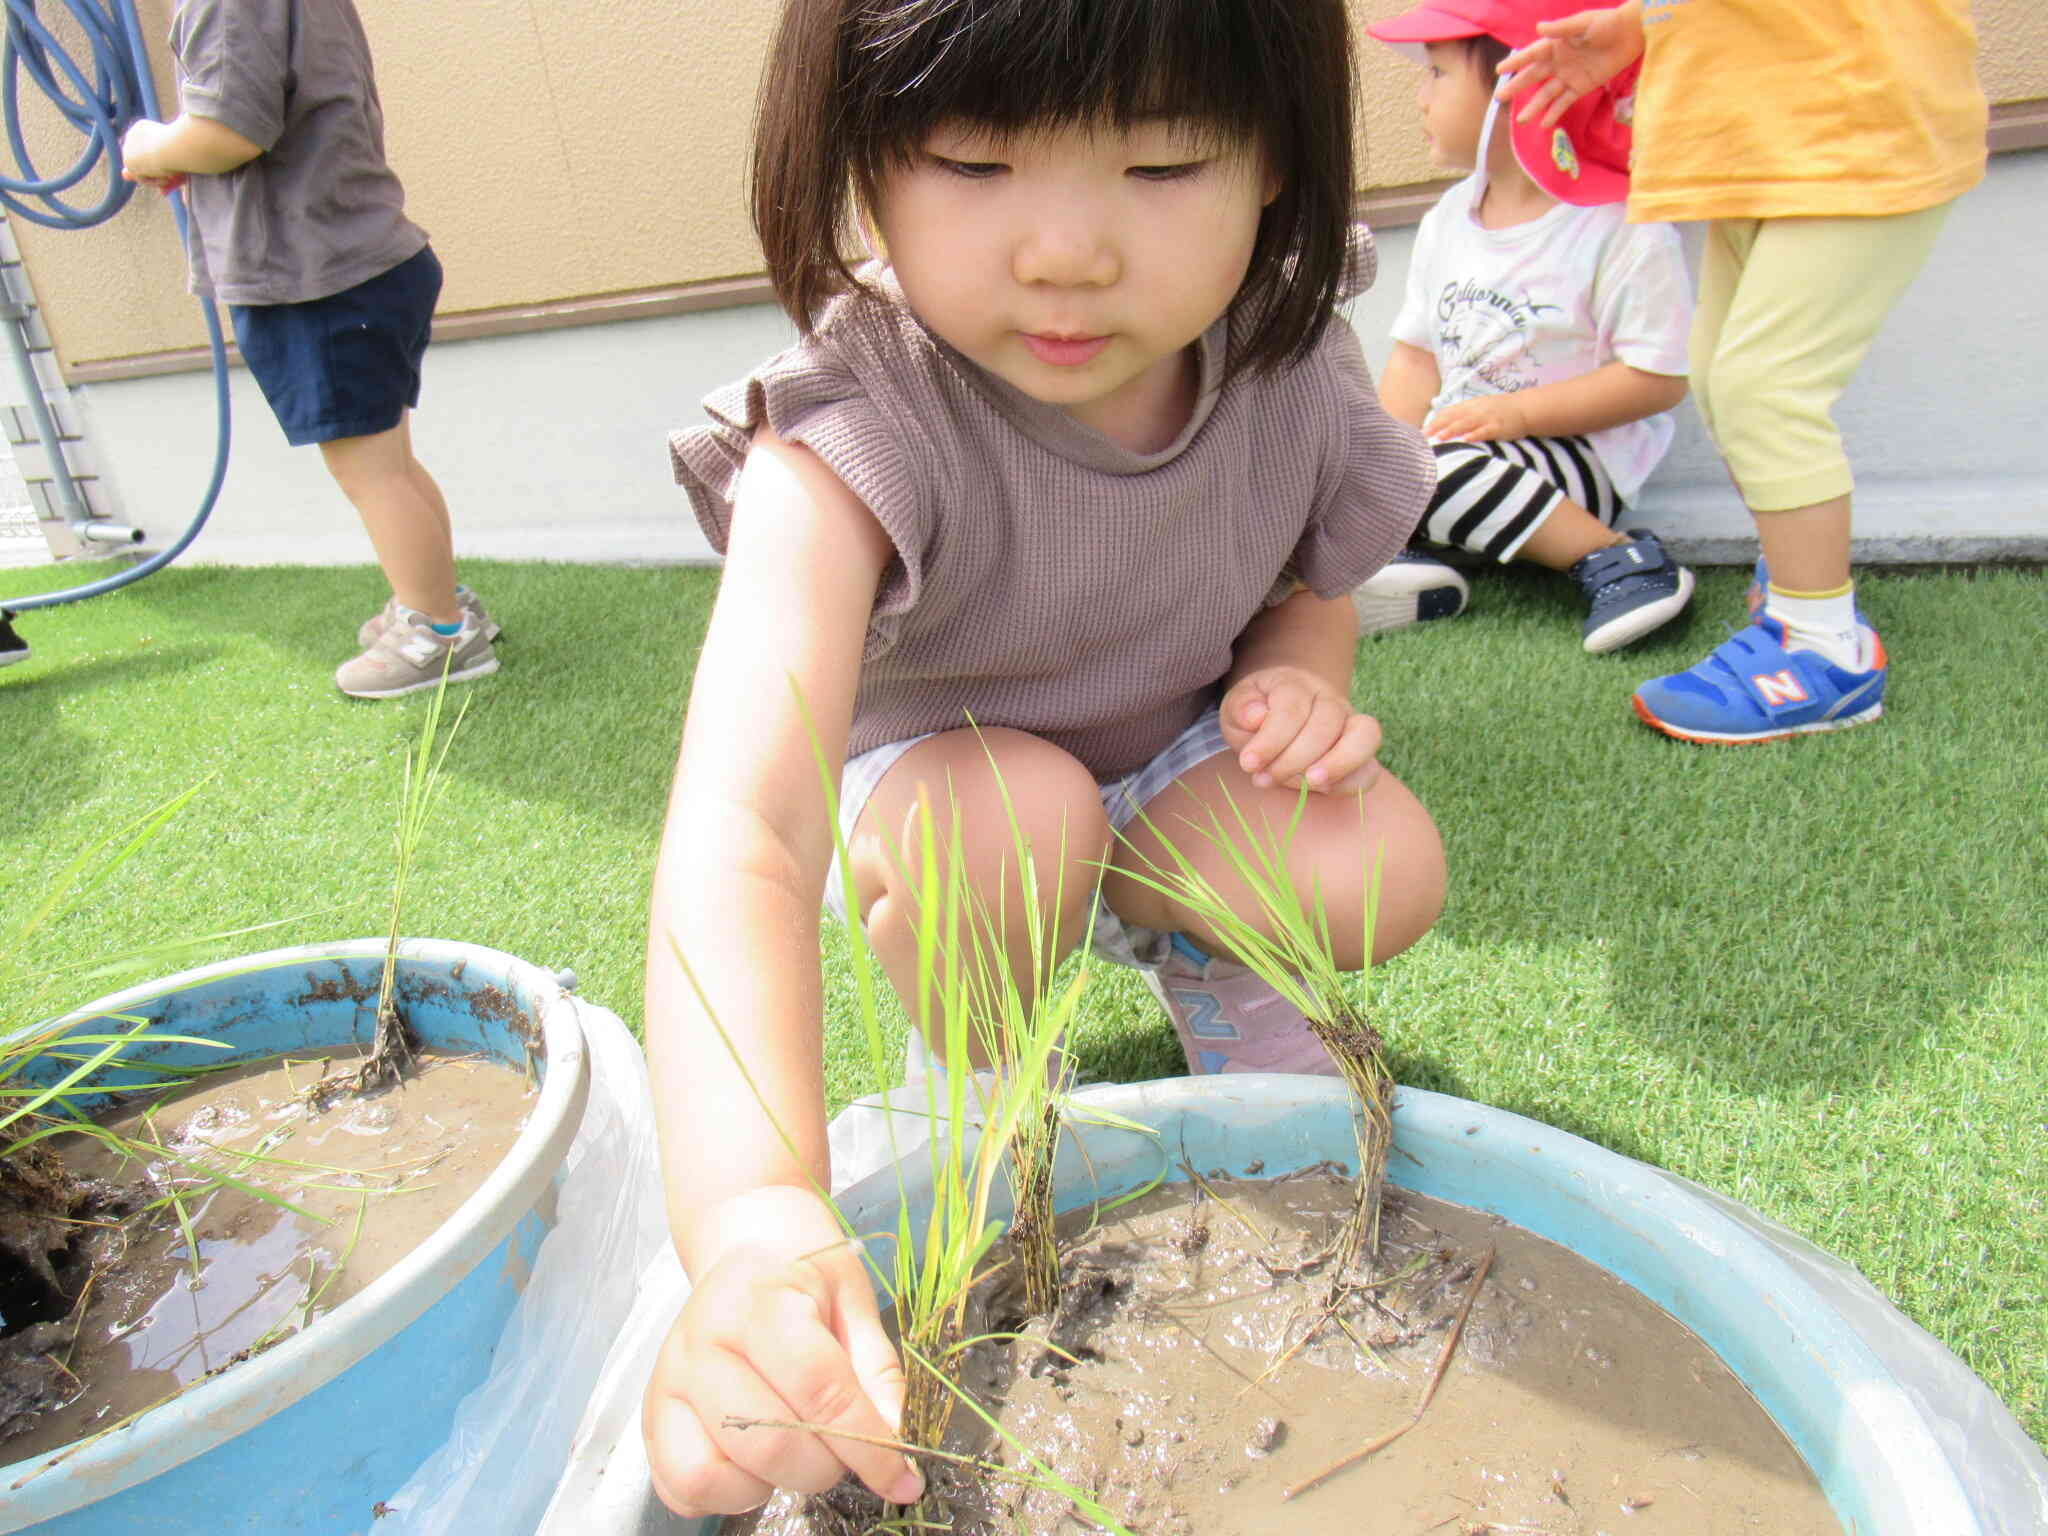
[(1573, 56)]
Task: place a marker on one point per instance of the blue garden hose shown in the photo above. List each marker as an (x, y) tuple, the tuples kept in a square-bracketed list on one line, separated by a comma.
[(100, 102)]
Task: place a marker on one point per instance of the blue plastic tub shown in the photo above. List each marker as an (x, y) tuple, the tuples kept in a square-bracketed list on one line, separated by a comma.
[(310, 1435), (1903, 1438)]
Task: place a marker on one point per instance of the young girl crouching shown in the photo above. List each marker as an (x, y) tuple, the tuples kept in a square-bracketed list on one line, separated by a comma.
[(1051, 516)]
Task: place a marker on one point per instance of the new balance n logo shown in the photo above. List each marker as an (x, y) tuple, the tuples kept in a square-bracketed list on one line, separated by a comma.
[(1779, 688), (1205, 1019)]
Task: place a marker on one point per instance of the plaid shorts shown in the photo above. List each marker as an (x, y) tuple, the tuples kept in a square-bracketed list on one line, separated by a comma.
[(1122, 799)]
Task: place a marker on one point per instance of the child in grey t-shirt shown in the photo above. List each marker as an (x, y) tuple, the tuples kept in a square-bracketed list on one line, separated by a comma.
[(299, 227)]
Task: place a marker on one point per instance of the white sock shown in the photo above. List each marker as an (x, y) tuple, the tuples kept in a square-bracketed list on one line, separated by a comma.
[(1821, 622)]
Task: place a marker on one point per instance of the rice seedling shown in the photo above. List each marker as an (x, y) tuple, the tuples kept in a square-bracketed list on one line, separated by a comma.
[(933, 1264), (32, 1109), (1022, 1030), (969, 1002), (394, 1046), (979, 1124), (1288, 945)]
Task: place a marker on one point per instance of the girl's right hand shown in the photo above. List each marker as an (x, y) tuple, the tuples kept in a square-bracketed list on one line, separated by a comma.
[(782, 1326), (1572, 57)]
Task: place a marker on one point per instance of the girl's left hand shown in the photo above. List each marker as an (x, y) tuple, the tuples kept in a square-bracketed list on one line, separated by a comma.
[(1289, 727), (1483, 419)]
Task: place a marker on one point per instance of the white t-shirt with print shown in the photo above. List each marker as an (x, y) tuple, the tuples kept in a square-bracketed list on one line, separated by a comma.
[(1552, 299)]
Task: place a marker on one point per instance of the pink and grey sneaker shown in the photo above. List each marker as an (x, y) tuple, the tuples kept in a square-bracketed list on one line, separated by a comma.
[(1230, 1021)]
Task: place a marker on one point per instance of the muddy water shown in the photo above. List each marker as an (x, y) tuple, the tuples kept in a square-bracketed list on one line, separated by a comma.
[(402, 1160), (1571, 1406)]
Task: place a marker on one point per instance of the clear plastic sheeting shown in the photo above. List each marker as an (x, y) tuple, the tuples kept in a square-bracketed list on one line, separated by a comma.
[(2002, 1473), (606, 1489), (512, 1435)]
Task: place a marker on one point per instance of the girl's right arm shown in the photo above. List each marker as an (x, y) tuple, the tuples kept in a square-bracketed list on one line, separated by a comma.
[(781, 1322), (1570, 57)]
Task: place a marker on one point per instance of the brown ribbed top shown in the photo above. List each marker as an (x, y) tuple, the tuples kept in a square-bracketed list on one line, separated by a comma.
[(1044, 577)]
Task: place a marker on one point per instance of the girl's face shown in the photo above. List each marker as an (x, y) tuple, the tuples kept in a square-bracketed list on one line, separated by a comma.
[(1077, 265), (1453, 99)]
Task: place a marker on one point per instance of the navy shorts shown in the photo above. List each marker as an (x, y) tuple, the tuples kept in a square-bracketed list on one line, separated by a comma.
[(347, 365)]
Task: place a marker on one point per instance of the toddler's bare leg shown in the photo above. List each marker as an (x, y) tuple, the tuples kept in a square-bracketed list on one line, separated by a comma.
[(405, 515), (1807, 548), (1339, 844), (1058, 812), (1566, 536)]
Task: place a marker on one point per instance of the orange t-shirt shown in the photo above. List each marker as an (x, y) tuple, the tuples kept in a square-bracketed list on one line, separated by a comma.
[(1765, 109)]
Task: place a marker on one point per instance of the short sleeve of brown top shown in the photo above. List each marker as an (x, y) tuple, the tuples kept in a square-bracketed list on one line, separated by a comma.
[(1045, 578)]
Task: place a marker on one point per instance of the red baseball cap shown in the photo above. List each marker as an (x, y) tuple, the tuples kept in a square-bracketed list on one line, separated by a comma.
[(1583, 159)]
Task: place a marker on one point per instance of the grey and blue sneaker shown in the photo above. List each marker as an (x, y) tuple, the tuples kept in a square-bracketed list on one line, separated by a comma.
[(378, 622), (1630, 589), (409, 656), (1412, 588)]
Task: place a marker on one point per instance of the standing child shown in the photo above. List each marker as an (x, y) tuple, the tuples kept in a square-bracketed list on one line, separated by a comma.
[(1084, 460), (1823, 145), (1541, 345), (299, 227)]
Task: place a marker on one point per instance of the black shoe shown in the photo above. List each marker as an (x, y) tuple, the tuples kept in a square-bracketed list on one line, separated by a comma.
[(1412, 588), (1630, 590)]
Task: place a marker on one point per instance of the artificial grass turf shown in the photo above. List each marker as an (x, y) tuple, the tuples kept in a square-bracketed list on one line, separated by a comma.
[(1810, 975)]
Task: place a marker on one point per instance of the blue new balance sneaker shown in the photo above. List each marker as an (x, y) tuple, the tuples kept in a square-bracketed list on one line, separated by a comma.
[(1753, 689)]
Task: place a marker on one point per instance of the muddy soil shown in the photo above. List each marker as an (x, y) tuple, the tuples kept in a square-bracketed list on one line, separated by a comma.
[(144, 1326), (1571, 1406)]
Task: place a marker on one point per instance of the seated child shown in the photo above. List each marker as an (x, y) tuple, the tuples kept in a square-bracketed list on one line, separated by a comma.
[(1541, 344)]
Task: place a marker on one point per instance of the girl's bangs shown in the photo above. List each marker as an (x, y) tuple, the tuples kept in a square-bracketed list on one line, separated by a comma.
[(1221, 65)]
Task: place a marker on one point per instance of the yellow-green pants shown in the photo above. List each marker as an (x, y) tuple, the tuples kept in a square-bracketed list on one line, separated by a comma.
[(1787, 310)]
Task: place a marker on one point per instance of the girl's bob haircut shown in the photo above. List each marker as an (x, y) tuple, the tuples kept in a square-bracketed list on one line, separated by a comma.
[(854, 87)]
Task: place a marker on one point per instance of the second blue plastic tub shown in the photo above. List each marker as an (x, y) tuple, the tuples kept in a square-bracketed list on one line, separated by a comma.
[(308, 1436)]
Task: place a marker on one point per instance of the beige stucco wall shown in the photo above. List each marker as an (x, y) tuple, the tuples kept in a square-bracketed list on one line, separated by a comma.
[(563, 149), (554, 149)]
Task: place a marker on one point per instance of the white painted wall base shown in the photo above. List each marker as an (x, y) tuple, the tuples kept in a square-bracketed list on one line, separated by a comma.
[(551, 445)]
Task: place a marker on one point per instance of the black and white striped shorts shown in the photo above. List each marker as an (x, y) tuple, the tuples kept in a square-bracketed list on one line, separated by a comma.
[(1490, 496)]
